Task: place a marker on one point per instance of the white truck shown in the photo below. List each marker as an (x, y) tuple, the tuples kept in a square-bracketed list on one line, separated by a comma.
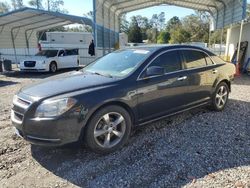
[(51, 60)]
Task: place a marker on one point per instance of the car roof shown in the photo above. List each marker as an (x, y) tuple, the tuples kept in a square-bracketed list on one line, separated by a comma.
[(155, 47)]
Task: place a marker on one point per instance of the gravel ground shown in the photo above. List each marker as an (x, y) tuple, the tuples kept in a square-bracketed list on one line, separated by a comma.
[(199, 148)]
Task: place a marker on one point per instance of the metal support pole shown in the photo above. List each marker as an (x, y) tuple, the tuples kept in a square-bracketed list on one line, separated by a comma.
[(13, 44), (238, 50), (1, 29), (209, 38), (27, 42), (221, 39), (94, 23), (109, 32), (229, 33), (103, 28)]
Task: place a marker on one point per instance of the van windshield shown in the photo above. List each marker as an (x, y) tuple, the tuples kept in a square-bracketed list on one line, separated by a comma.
[(47, 53)]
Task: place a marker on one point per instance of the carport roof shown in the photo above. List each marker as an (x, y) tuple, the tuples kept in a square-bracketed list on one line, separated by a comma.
[(224, 12), (38, 20)]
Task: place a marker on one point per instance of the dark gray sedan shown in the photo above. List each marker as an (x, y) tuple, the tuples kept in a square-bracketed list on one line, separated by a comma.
[(103, 102)]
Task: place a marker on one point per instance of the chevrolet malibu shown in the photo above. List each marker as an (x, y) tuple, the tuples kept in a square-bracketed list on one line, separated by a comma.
[(103, 102)]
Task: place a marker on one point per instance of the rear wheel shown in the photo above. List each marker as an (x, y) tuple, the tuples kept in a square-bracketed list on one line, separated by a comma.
[(53, 67), (108, 129), (220, 97)]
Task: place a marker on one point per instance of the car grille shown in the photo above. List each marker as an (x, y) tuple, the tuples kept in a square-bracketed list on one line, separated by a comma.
[(19, 108), (29, 63)]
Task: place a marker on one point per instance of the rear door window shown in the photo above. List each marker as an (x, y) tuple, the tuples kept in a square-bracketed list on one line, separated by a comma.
[(194, 59), (72, 52), (170, 61)]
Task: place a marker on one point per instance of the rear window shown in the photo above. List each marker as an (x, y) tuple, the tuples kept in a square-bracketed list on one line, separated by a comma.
[(72, 52), (194, 59), (47, 53), (216, 58)]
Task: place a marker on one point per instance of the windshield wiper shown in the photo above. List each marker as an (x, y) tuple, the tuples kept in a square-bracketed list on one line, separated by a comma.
[(106, 75)]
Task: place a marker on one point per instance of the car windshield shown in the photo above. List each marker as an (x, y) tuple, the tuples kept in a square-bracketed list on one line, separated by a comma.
[(119, 63), (47, 53)]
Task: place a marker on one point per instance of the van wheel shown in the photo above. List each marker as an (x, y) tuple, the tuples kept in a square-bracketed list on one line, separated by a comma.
[(108, 129), (53, 67), (220, 97)]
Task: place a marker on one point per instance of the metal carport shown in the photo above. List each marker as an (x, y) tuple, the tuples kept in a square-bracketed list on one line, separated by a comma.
[(108, 12), (22, 25)]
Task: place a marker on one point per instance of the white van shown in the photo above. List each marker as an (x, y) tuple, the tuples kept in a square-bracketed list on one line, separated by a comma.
[(51, 60)]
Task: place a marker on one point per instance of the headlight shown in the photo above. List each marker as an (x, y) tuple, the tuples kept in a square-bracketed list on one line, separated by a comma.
[(53, 108)]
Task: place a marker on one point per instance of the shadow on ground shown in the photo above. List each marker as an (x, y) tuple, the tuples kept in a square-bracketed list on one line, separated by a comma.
[(7, 83), (166, 153)]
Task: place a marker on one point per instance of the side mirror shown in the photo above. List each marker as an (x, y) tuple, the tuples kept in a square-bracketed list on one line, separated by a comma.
[(154, 71)]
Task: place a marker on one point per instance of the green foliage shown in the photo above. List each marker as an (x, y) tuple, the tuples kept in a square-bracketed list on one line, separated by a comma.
[(163, 37), (179, 35), (152, 35), (197, 27), (4, 7), (215, 37), (124, 24), (134, 34), (173, 23)]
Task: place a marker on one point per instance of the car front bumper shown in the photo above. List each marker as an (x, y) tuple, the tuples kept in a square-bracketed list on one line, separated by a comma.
[(49, 132)]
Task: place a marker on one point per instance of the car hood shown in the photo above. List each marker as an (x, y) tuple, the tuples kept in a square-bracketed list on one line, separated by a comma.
[(35, 58), (65, 83)]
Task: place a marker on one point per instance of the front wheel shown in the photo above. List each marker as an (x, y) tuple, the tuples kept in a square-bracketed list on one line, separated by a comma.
[(53, 67), (220, 97), (108, 129)]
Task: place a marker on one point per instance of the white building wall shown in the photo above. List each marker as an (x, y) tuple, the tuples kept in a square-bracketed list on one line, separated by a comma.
[(233, 39)]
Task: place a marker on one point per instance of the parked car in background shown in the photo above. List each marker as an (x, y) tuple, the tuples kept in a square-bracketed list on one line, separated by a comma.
[(101, 103), (51, 60)]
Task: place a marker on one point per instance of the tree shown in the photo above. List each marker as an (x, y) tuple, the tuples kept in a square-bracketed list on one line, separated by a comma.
[(152, 35), (56, 6), (17, 4), (158, 21), (173, 23), (36, 4), (143, 23), (197, 26), (124, 24), (163, 37), (4, 7), (179, 35), (134, 34)]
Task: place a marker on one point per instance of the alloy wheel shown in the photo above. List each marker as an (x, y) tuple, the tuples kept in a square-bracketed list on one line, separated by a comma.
[(109, 130), (221, 96)]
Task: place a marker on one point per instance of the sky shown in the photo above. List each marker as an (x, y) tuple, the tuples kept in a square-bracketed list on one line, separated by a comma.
[(81, 7)]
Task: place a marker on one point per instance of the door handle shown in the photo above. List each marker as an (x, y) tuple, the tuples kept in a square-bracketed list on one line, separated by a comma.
[(182, 78), (214, 71)]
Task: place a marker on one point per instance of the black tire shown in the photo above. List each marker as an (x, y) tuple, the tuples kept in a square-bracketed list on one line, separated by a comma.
[(53, 67), (218, 99), (98, 123)]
